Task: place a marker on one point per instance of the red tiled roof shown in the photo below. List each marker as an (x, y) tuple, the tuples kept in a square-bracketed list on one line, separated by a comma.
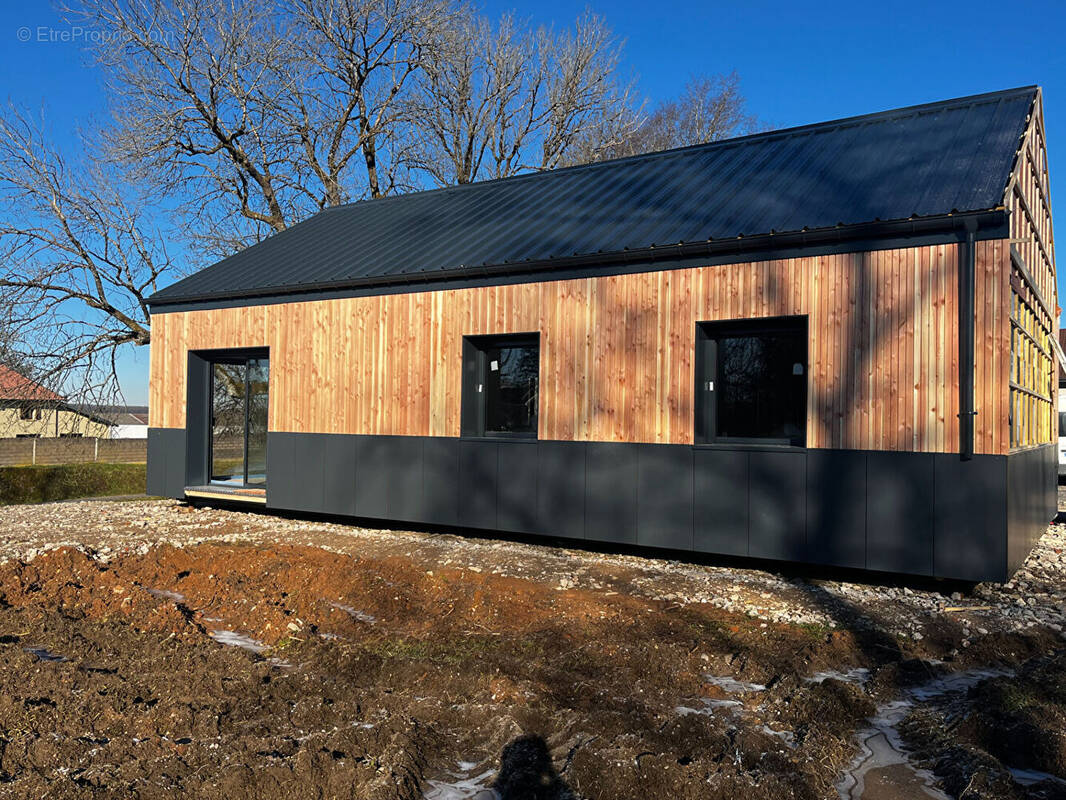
[(14, 386)]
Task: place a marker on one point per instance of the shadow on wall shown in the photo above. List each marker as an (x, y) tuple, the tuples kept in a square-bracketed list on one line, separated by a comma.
[(526, 773)]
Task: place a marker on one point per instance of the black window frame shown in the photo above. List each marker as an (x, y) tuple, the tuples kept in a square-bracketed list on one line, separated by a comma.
[(473, 411), (232, 357), (708, 379)]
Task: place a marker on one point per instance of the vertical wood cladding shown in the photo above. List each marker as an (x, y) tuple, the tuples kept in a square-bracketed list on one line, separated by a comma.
[(1033, 293), (617, 352)]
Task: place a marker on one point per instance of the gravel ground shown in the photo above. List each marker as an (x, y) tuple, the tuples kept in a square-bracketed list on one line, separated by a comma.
[(1036, 596)]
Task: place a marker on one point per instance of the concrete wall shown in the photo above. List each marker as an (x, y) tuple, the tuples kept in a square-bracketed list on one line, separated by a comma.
[(18, 452)]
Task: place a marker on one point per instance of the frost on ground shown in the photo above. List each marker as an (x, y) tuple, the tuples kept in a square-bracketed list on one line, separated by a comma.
[(155, 649)]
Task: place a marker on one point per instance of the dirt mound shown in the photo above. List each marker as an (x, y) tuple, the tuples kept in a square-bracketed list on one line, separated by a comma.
[(369, 677), (388, 676)]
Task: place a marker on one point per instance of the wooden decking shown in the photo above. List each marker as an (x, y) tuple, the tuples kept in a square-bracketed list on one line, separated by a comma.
[(230, 494)]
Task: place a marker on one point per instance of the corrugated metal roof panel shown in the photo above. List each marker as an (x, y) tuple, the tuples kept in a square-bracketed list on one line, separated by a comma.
[(924, 161)]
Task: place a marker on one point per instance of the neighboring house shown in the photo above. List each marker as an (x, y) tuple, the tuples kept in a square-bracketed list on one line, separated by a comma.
[(127, 422), (29, 410), (830, 344)]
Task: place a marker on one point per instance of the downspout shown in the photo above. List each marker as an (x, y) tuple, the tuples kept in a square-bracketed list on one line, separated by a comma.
[(967, 412)]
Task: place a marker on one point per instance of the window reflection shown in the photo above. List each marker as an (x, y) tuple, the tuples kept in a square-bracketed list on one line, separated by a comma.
[(511, 390)]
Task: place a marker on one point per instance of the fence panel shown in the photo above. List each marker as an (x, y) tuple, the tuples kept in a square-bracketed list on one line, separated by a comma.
[(17, 452)]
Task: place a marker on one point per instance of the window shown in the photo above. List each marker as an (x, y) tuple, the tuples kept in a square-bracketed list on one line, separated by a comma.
[(752, 381), (238, 434), (1062, 424), (26, 412), (501, 378)]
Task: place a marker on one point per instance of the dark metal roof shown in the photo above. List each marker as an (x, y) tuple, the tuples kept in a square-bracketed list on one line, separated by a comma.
[(913, 163)]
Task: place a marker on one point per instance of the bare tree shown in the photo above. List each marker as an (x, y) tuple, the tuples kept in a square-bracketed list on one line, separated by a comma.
[(76, 261), (245, 116), (709, 109), (503, 99), (195, 86), (361, 58), (256, 113)]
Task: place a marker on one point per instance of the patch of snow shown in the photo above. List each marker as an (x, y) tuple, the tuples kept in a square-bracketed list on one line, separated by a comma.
[(463, 787), (1031, 777), (166, 594), (856, 675), (355, 613), (733, 686), (787, 737), (709, 707), (44, 654), (234, 639)]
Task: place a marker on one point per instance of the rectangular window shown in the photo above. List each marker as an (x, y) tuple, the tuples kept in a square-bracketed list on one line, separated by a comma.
[(239, 401), (501, 378), (751, 382), (25, 413)]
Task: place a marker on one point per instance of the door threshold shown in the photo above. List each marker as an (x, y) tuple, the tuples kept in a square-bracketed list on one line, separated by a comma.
[(232, 494)]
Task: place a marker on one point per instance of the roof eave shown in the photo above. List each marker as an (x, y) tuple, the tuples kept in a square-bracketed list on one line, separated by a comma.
[(739, 245)]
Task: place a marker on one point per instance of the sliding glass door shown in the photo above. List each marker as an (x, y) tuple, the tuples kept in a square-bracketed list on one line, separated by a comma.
[(239, 420)]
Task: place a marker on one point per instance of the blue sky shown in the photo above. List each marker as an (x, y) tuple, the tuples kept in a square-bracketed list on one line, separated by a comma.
[(798, 63)]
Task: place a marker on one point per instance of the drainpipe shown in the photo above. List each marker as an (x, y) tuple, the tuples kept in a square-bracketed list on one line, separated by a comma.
[(967, 412)]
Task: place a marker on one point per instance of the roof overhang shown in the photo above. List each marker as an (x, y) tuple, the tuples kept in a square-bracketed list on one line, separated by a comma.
[(991, 224)]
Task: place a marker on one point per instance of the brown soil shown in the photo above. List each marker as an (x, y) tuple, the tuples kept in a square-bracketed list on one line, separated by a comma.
[(383, 673), (1016, 721)]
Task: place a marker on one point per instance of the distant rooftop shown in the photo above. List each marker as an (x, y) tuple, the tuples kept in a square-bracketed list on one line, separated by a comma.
[(912, 163), (17, 387), (117, 415)]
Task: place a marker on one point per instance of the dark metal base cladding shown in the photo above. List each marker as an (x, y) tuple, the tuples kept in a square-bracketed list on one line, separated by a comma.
[(913, 513), (611, 492), (899, 512), (166, 462), (720, 501), (837, 506), (1032, 499), (970, 517)]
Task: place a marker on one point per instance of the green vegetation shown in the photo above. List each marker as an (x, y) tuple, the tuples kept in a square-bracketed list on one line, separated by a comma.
[(45, 484)]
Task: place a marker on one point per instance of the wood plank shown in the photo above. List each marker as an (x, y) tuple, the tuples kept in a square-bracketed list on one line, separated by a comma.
[(618, 355)]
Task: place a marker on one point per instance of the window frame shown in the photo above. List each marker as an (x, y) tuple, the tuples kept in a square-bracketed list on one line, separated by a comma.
[(473, 405), (705, 406), (232, 357)]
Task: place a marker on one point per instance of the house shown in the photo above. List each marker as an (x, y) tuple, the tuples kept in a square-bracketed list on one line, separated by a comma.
[(127, 422), (830, 344), (29, 410)]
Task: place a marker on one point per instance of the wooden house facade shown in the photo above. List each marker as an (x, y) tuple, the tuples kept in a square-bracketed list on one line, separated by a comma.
[(833, 344)]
